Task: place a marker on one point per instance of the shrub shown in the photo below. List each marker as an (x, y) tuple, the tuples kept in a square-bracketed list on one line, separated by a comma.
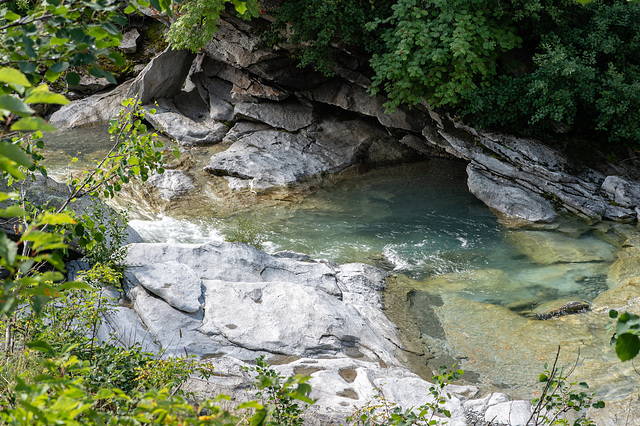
[(247, 232), (585, 74), (439, 50)]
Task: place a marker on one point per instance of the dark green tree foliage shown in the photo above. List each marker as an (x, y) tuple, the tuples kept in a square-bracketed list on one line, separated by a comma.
[(586, 72), (440, 49), (320, 23), (46, 39)]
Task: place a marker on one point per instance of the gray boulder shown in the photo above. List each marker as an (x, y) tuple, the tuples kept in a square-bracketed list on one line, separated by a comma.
[(175, 283), (290, 116), (91, 111), (507, 198), (130, 40), (171, 184), (261, 160), (185, 130), (163, 77)]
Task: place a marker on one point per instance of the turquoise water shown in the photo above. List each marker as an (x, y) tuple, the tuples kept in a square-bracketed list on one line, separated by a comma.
[(416, 219), (467, 286)]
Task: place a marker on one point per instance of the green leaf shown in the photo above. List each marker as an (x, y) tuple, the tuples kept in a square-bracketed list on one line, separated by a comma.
[(75, 285), (59, 66), (13, 76), (543, 378), (55, 219), (613, 314), (240, 6), (15, 153), (42, 95), (12, 211), (10, 16), (627, 346), (42, 346), (8, 249), (129, 9), (73, 79), (51, 76), (55, 41), (15, 105), (33, 123)]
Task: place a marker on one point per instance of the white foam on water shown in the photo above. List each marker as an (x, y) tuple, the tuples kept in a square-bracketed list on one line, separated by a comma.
[(168, 230)]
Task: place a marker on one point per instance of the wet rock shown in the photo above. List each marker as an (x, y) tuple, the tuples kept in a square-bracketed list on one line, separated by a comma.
[(171, 184), (547, 247), (507, 198), (91, 111), (568, 308)]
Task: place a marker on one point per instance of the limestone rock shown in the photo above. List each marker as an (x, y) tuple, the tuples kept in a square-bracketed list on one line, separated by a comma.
[(171, 184), (185, 130), (351, 97), (174, 282), (175, 331), (90, 84), (91, 111), (289, 116), (624, 193), (248, 90), (236, 263), (265, 159), (330, 326), (513, 413), (239, 48), (507, 198), (122, 327), (163, 77), (130, 40)]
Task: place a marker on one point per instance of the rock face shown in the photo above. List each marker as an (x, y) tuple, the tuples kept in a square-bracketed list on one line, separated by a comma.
[(307, 317), (239, 79)]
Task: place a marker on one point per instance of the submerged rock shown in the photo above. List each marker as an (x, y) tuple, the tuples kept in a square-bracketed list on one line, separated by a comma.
[(549, 247)]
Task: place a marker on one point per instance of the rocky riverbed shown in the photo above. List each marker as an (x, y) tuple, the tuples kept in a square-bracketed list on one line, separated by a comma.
[(253, 127)]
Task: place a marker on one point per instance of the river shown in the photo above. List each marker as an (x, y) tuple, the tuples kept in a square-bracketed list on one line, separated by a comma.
[(465, 288)]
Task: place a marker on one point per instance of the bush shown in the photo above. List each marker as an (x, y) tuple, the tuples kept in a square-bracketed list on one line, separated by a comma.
[(247, 232), (438, 50), (586, 74)]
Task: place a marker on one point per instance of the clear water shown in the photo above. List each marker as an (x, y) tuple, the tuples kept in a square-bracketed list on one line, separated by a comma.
[(466, 285)]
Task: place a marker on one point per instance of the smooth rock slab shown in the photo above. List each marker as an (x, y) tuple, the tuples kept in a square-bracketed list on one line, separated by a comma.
[(290, 116), (236, 263), (174, 282), (293, 319), (175, 331)]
